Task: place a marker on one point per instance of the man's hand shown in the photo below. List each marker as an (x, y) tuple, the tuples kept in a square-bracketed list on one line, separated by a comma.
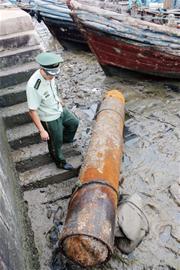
[(61, 102), (44, 135)]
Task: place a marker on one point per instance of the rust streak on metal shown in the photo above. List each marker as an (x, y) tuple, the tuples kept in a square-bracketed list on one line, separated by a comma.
[(88, 233)]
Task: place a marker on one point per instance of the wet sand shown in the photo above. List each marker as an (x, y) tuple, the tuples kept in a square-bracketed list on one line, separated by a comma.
[(151, 162)]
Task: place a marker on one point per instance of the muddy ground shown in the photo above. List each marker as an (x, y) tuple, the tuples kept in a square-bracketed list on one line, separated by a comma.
[(150, 165)]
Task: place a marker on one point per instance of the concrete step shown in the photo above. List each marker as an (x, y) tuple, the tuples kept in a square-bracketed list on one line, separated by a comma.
[(17, 74), (23, 135), (48, 174), (12, 95), (14, 20), (15, 115), (36, 155), (18, 56), (18, 40)]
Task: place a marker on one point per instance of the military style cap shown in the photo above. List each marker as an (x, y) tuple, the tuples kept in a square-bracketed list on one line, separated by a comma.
[(49, 62)]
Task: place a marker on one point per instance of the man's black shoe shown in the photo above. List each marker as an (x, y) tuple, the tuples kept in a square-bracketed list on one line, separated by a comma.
[(64, 166), (68, 166)]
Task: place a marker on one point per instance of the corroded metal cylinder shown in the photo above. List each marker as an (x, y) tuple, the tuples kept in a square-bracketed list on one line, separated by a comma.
[(88, 234)]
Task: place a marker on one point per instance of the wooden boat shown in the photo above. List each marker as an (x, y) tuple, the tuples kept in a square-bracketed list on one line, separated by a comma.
[(56, 16), (120, 40)]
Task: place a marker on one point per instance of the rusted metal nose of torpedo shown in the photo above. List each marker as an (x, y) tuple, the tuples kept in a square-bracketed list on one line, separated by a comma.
[(88, 234)]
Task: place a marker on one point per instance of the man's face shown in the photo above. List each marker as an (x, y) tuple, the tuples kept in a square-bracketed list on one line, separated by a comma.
[(46, 76)]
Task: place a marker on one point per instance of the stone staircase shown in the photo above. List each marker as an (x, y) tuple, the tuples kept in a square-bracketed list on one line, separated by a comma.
[(29, 153), (19, 44)]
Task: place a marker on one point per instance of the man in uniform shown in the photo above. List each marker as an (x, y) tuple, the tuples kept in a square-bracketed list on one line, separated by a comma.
[(55, 123)]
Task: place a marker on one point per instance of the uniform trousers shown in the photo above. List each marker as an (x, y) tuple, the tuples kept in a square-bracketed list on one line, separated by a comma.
[(61, 130)]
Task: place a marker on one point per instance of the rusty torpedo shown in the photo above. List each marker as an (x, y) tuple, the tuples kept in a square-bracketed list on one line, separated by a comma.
[(88, 234)]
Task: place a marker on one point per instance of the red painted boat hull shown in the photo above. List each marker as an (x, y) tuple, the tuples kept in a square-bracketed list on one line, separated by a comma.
[(122, 53)]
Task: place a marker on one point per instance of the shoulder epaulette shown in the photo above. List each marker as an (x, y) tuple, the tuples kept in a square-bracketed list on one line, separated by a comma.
[(37, 84)]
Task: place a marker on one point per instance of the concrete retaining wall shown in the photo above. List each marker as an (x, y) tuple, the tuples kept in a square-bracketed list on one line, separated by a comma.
[(17, 251)]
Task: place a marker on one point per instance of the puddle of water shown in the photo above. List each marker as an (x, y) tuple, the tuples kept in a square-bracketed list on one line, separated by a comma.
[(127, 116), (128, 134), (172, 87), (165, 234), (177, 217)]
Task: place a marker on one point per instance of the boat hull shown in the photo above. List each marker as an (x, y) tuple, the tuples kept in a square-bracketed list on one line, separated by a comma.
[(64, 30), (123, 53)]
